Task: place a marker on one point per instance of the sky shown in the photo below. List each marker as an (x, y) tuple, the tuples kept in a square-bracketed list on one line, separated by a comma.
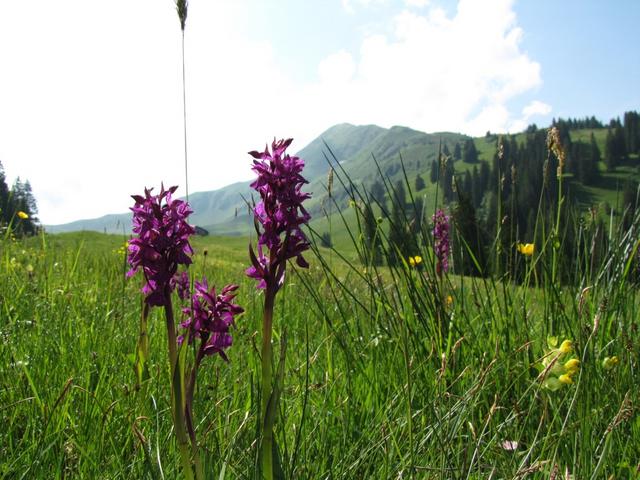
[(91, 91)]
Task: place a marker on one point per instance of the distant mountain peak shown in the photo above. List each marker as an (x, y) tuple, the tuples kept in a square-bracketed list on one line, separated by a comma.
[(224, 211)]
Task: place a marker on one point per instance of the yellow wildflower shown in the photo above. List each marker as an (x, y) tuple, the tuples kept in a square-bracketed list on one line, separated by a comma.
[(449, 300), (566, 379), (609, 362), (415, 261), (572, 366), (526, 249), (23, 215), (123, 249), (558, 368), (566, 346)]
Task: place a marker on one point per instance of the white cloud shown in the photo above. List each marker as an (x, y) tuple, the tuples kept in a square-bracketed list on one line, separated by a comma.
[(337, 68), (536, 108), (91, 112), (533, 109), (416, 3), (349, 7), (437, 72)]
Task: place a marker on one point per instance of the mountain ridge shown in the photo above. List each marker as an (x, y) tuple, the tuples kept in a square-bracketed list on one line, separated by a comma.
[(224, 210), (370, 153)]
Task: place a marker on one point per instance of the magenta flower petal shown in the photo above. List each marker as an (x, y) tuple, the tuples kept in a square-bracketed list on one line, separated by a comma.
[(279, 214), (210, 316), (162, 242), (441, 241)]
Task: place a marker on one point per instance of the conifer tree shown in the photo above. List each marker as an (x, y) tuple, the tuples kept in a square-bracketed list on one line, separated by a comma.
[(469, 152), (446, 180), (4, 197), (467, 184), (476, 188), (469, 238), (457, 152), (18, 199), (610, 152), (30, 201), (620, 144), (632, 131), (378, 196), (433, 174), (419, 183), (583, 163), (21, 200), (398, 241), (483, 177), (595, 151)]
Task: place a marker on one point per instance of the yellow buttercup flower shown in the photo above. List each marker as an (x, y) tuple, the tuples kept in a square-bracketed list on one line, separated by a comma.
[(23, 215), (415, 261), (449, 300), (526, 249)]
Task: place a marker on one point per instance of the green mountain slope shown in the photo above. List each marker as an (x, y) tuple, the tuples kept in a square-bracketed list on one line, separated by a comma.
[(358, 149), (225, 212)]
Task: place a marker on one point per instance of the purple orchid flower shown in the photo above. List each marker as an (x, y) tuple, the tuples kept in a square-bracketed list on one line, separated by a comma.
[(441, 241), (162, 242), (279, 215), (209, 318)]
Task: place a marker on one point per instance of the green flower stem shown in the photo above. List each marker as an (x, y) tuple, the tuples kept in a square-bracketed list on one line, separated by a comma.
[(142, 348), (177, 392), (188, 413), (267, 375), (554, 265)]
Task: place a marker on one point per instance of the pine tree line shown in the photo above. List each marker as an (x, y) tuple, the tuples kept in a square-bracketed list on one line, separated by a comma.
[(512, 199), (577, 123), (18, 206), (509, 200)]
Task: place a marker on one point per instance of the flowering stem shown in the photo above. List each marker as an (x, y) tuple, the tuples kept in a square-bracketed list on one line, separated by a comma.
[(556, 233), (188, 413), (142, 348), (184, 121), (267, 375), (177, 391), (171, 334)]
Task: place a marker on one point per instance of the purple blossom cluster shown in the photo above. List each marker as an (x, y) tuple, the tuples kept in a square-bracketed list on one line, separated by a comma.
[(441, 241), (209, 318), (279, 213), (181, 283), (162, 242)]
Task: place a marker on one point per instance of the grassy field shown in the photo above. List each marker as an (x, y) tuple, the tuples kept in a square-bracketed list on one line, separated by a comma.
[(391, 372)]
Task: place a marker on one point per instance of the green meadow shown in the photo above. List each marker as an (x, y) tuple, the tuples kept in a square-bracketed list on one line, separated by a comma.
[(391, 371), (466, 308)]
